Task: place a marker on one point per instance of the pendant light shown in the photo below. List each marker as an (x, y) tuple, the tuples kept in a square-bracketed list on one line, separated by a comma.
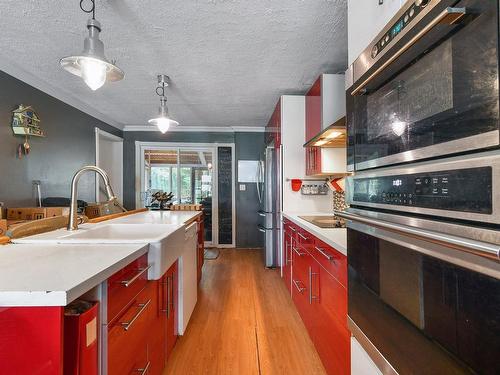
[(163, 120), (91, 65)]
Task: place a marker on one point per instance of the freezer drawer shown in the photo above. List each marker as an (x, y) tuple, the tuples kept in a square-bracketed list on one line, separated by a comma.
[(271, 242)]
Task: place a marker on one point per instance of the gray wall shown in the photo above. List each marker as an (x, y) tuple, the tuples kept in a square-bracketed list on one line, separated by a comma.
[(69, 144), (248, 147)]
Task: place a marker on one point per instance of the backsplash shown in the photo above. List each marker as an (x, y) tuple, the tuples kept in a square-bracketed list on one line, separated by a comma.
[(338, 200)]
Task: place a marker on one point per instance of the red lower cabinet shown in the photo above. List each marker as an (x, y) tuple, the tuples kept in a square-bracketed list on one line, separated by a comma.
[(319, 295), (287, 261), (171, 308), (128, 336), (331, 336), (143, 335)]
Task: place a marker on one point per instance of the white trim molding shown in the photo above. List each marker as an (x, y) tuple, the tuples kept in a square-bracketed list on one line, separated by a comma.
[(212, 129)]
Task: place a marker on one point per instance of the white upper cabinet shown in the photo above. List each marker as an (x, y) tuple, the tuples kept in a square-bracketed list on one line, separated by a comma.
[(365, 19)]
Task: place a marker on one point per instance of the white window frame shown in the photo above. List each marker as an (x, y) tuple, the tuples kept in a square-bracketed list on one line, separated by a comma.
[(141, 146)]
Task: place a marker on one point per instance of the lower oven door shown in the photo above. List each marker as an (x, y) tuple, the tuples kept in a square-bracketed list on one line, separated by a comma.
[(419, 307)]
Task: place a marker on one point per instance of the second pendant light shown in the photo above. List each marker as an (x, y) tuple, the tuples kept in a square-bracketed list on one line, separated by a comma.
[(163, 120)]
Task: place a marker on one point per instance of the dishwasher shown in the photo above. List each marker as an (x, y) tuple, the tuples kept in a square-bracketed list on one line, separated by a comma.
[(188, 279)]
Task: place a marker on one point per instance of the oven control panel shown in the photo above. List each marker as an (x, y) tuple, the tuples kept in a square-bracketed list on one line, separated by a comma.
[(466, 190), (398, 26)]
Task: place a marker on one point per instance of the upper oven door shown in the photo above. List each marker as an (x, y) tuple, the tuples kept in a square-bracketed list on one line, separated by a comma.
[(427, 86)]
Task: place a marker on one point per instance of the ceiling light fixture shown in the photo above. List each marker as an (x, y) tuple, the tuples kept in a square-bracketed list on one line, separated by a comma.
[(91, 65), (163, 121)]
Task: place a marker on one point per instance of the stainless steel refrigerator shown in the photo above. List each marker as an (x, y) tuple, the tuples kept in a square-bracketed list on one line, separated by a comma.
[(268, 190)]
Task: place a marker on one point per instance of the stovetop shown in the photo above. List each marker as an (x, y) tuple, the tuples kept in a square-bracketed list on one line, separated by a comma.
[(325, 221)]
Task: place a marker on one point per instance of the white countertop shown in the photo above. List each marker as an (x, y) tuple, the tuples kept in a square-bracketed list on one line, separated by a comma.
[(156, 217), (55, 275), (335, 237)]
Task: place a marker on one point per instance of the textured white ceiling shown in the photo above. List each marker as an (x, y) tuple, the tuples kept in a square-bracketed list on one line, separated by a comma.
[(229, 60)]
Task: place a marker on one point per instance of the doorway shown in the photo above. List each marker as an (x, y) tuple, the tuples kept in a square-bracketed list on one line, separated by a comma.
[(191, 173), (109, 156)]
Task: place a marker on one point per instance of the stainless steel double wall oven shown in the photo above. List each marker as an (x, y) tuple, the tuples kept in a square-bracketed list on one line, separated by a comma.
[(424, 217)]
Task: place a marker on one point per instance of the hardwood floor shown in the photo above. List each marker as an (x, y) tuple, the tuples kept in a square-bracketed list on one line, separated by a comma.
[(244, 323)]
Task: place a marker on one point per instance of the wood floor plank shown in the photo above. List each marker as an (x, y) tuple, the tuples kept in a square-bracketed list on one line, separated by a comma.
[(244, 323)]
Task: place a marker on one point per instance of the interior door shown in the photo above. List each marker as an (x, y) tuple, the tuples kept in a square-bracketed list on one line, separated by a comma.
[(109, 156)]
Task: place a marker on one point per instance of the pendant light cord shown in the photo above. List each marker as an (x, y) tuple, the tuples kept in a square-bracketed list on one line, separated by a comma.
[(160, 90), (91, 10)]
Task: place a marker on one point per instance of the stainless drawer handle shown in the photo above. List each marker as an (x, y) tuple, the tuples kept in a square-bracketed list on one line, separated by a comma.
[(293, 229), (449, 16), (311, 274), (303, 237), (299, 288), (298, 252), (145, 369), (142, 306), (262, 214), (167, 294), (127, 283), (325, 254), (261, 230)]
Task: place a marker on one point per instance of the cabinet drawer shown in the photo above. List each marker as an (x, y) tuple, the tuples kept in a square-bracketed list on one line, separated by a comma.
[(124, 285), (128, 336), (333, 261), (305, 239)]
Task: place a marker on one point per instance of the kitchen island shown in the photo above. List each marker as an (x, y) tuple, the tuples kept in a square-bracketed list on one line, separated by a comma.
[(139, 304)]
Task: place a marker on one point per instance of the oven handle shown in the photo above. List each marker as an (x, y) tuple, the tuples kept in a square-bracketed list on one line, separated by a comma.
[(449, 16), (483, 249)]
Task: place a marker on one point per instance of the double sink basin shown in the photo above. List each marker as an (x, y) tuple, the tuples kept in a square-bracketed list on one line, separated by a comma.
[(165, 241)]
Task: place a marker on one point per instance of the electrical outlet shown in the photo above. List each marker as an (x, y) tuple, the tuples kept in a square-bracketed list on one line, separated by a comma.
[(243, 187)]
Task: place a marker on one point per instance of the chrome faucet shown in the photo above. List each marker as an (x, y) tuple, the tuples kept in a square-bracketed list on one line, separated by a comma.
[(73, 218)]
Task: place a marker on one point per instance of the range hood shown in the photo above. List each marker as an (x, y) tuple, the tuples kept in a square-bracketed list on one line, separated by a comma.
[(334, 136)]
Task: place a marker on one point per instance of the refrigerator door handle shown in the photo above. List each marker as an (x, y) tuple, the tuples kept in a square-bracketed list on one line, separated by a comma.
[(259, 181)]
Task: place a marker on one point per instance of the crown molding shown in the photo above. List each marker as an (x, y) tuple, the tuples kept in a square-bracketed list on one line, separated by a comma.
[(210, 129), (64, 96)]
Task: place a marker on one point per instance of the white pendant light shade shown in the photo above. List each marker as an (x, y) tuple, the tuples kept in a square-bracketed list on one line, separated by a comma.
[(93, 72), (163, 121), (91, 65)]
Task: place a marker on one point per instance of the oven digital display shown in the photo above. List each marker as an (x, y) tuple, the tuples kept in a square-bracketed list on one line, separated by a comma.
[(464, 190), (397, 29)]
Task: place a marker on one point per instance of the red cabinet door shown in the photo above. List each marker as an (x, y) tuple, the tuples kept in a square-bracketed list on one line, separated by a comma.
[(313, 110), (128, 336), (171, 308), (201, 246), (329, 332), (287, 262), (301, 260), (332, 260), (273, 128)]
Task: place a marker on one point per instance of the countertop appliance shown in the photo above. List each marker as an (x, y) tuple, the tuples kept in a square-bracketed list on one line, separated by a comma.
[(423, 236), (427, 86), (268, 183)]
